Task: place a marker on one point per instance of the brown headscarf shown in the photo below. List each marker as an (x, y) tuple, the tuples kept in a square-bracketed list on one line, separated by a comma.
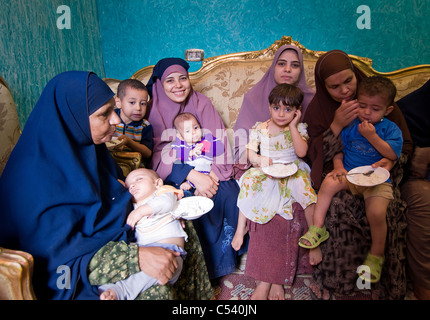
[(322, 108)]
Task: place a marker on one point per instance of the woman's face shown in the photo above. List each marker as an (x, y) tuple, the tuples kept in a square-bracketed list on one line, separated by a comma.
[(103, 122), (287, 68), (177, 87), (342, 85)]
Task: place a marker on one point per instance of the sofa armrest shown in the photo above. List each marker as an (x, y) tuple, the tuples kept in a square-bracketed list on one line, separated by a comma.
[(16, 270)]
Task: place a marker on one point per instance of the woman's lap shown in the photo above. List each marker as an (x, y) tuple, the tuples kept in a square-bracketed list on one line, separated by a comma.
[(216, 230), (117, 260), (274, 255), (350, 241)]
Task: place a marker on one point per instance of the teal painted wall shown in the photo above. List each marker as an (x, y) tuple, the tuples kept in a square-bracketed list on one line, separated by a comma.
[(33, 49), (114, 38), (136, 33)]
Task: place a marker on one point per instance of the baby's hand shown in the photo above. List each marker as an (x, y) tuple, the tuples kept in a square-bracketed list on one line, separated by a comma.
[(133, 218), (197, 149), (137, 214), (185, 186)]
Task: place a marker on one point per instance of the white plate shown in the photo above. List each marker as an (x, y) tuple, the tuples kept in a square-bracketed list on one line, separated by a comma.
[(191, 208), (379, 176), (281, 170)]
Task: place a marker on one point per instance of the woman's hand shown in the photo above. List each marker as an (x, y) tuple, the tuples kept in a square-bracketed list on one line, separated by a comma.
[(347, 112), (206, 186), (158, 263)]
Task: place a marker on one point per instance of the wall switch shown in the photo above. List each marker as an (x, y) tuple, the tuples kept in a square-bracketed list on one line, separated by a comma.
[(194, 55)]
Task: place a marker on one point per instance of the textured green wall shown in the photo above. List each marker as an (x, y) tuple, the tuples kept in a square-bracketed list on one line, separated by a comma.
[(33, 49), (137, 33)]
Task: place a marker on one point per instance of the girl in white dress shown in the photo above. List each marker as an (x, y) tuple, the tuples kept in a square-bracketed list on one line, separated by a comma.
[(280, 139)]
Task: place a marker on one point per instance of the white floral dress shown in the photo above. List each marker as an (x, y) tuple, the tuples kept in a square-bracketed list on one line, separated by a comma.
[(262, 197)]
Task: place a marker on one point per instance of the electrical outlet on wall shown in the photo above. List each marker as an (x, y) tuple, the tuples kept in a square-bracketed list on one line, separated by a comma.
[(194, 55)]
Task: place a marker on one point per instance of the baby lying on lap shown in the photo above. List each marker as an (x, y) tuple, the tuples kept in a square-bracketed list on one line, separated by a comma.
[(155, 226)]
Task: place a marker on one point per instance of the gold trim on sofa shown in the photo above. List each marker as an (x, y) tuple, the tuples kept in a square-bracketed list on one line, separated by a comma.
[(309, 56)]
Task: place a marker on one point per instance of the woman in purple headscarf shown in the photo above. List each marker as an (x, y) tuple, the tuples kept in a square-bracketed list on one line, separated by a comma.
[(171, 93), (287, 67), (287, 258)]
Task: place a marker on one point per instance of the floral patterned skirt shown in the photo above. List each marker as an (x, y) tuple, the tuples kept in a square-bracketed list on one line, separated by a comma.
[(261, 197), (117, 260)]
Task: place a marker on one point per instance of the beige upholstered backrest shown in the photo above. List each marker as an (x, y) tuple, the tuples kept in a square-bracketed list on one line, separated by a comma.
[(9, 124)]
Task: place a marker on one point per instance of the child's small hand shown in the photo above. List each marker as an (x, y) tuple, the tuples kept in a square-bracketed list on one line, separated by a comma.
[(182, 223), (185, 186), (296, 119), (133, 218), (121, 143), (137, 214), (366, 129), (265, 161), (179, 196), (337, 173)]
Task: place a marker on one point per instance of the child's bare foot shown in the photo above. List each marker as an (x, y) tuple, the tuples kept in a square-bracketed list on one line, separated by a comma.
[(277, 292), (108, 295), (315, 256), (262, 290)]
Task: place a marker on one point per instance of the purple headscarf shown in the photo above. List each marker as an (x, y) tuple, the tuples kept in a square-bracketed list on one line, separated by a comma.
[(163, 111), (255, 105)]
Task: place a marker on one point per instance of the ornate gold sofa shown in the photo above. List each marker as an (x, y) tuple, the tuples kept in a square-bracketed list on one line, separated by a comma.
[(9, 124), (224, 79), (16, 267)]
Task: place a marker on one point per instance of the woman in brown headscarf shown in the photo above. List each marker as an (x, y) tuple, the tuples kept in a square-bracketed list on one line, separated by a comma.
[(332, 108)]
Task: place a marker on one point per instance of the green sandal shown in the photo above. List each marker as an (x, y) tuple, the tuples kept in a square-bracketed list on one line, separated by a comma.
[(375, 265), (315, 236)]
